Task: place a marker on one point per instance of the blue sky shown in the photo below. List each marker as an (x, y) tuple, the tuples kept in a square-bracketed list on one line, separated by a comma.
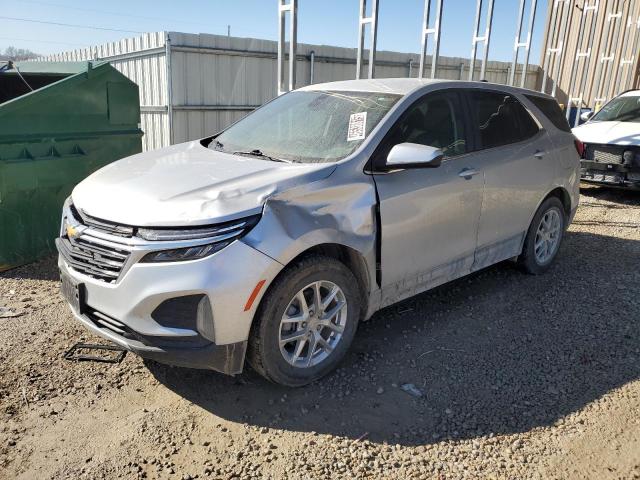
[(331, 22)]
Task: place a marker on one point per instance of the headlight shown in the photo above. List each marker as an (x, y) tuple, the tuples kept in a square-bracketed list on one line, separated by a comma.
[(631, 157), (181, 254), (219, 235), (628, 156)]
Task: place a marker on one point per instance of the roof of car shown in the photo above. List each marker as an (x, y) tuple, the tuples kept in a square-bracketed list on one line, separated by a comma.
[(630, 93), (401, 86)]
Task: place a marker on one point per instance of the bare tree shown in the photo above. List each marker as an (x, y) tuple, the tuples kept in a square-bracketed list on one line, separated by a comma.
[(16, 54)]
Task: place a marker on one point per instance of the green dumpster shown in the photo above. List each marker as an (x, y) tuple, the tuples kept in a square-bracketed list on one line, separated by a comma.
[(59, 122)]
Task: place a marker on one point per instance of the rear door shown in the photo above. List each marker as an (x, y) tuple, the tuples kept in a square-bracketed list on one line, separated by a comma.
[(429, 216), (516, 156)]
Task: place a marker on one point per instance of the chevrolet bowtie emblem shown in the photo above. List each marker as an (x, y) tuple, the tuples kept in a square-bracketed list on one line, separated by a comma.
[(72, 231)]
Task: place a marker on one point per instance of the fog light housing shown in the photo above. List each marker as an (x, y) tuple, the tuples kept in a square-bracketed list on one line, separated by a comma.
[(189, 312), (178, 312)]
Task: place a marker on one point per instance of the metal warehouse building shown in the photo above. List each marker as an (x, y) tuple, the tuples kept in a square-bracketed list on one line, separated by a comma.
[(594, 46), (192, 85)]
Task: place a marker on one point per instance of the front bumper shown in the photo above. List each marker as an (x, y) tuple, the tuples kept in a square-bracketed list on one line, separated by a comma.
[(614, 175), (122, 311), (228, 359)]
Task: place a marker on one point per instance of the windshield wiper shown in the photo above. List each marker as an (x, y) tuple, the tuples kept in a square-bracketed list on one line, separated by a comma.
[(256, 152)]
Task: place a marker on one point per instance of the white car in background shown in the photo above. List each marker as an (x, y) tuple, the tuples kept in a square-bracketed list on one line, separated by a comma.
[(611, 138)]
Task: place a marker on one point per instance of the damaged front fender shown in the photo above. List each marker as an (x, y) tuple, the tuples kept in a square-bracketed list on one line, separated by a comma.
[(336, 212)]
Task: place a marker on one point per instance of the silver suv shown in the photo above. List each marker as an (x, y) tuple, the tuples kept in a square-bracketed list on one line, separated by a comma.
[(272, 239)]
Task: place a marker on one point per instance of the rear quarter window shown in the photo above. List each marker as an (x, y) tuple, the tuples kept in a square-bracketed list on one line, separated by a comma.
[(500, 119), (550, 108)]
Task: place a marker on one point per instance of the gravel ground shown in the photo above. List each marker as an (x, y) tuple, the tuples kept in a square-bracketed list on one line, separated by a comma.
[(519, 377)]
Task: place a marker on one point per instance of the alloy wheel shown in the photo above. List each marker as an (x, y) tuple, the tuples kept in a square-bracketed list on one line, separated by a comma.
[(548, 236), (312, 324)]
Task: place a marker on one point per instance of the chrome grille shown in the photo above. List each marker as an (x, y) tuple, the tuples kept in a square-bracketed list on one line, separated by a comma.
[(101, 225), (604, 154), (93, 259)]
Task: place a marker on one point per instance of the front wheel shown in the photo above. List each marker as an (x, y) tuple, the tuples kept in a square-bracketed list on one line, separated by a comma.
[(543, 237), (306, 323)]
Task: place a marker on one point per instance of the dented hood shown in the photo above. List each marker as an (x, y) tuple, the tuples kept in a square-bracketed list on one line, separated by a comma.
[(187, 184), (613, 133)]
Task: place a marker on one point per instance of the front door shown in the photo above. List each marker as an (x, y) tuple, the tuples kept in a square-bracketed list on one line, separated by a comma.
[(429, 216)]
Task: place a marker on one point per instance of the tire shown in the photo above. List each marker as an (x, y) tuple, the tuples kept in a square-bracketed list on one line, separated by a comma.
[(531, 262), (280, 364)]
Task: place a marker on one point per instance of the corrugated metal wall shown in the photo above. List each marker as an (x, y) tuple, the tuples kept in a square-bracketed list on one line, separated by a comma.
[(215, 80), (631, 9), (218, 79)]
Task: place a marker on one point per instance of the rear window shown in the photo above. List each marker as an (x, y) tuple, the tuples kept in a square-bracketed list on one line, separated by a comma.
[(500, 119), (551, 110)]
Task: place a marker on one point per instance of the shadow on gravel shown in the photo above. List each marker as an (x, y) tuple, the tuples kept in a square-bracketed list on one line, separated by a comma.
[(499, 352), (623, 197)]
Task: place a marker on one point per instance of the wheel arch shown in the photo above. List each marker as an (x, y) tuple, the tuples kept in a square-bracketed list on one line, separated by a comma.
[(351, 258), (563, 195), (524, 258), (260, 344)]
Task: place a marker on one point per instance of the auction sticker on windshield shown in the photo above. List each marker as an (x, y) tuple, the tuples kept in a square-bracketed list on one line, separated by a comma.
[(357, 124)]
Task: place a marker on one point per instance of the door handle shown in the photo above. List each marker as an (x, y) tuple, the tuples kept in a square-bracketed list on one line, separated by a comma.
[(539, 154), (467, 173)]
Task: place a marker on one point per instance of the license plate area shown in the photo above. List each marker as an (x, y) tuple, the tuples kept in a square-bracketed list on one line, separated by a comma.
[(72, 292)]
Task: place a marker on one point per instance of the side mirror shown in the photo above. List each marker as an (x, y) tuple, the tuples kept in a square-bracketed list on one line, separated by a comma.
[(414, 155), (586, 115)]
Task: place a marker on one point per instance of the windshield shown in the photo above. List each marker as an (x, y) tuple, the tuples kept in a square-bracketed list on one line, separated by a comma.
[(621, 109), (307, 126)]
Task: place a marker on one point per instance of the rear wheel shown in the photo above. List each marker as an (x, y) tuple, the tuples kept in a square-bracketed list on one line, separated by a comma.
[(306, 323), (544, 237)]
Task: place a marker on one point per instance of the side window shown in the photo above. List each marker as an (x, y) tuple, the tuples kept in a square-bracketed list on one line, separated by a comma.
[(433, 120), (552, 111), (500, 119)]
